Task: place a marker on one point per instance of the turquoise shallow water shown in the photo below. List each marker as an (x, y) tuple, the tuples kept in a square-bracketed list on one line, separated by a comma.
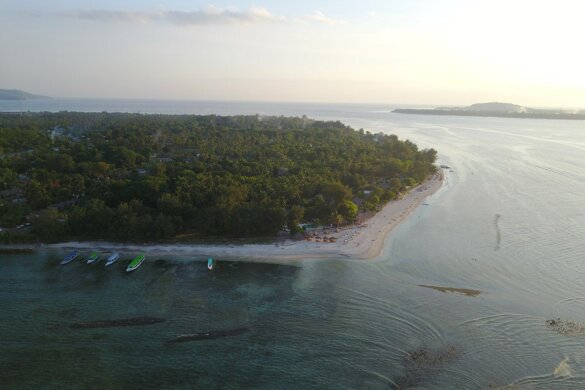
[(510, 222)]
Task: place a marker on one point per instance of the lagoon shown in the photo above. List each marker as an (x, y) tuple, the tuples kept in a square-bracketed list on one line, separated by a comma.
[(509, 224)]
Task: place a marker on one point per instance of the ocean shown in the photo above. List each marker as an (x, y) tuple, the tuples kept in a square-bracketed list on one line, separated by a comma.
[(509, 223)]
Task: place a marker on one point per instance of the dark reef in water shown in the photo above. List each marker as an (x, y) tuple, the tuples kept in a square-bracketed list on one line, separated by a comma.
[(138, 321), (425, 356), (208, 335), (566, 327), (465, 291)]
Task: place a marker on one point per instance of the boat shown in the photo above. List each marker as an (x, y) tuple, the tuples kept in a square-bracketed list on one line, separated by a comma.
[(210, 263), (70, 257), (136, 262), (93, 257), (112, 259)]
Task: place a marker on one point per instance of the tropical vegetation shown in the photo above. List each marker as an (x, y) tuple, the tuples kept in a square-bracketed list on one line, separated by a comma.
[(129, 177)]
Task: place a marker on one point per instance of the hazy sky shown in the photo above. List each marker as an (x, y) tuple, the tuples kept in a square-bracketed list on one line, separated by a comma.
[(387, 51)]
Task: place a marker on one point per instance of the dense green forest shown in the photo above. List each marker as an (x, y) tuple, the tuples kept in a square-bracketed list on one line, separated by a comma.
[(129, 177)]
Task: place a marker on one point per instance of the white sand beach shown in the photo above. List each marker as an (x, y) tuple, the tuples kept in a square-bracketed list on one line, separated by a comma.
[(362, 242)]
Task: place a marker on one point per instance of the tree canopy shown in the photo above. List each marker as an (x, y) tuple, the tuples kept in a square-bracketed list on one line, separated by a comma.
[(151, 177)]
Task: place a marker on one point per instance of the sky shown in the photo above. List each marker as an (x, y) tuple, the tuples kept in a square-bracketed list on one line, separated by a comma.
[(443, 52)]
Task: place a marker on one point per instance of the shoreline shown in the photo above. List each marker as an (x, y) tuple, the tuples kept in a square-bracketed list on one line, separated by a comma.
[(491, 114), (364, 242)]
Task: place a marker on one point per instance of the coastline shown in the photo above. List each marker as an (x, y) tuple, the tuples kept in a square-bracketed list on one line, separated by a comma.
[(364, 242), (490, 114)]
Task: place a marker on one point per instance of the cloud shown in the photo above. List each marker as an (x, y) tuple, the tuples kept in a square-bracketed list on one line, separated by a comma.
[(208, 16), (213, 15), (319, 17), (108, 15)]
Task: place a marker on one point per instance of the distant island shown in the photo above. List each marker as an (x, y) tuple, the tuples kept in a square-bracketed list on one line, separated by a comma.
[(154, 178), (16, 94), (495, 109)]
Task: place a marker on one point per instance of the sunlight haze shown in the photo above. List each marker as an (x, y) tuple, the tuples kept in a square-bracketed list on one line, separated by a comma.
[(418, 52)]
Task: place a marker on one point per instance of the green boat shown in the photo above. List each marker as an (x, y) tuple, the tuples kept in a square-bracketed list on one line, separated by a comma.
[(93, 257), (136, 262)]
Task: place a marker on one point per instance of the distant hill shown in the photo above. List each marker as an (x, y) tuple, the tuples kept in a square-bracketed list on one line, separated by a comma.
[(495, 109), (16, 94)]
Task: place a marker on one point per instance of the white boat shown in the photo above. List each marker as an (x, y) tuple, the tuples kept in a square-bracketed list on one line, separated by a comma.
[(112, 259)]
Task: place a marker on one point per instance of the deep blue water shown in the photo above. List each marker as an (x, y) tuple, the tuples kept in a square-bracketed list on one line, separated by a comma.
[(510, 223)]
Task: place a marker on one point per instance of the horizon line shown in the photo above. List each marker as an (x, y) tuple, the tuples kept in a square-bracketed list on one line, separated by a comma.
[(278, 101)]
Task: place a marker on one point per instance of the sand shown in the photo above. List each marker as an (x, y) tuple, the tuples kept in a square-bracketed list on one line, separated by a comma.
[(359, 242)]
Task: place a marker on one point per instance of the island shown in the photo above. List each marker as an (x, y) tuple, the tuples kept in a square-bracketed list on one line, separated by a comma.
[(223, 185), (495, 109), (16, 94)]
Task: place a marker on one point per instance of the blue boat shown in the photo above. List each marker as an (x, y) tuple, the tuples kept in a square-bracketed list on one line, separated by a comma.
[(70, 257), (112, 259), (210, 263)]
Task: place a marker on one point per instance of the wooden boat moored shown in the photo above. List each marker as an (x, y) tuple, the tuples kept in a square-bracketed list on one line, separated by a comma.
[(136, 262), (93, 257), (70, 257), (112, 259)]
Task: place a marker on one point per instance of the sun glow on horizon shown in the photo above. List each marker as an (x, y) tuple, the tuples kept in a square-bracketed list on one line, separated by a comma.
[(448, 52)]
